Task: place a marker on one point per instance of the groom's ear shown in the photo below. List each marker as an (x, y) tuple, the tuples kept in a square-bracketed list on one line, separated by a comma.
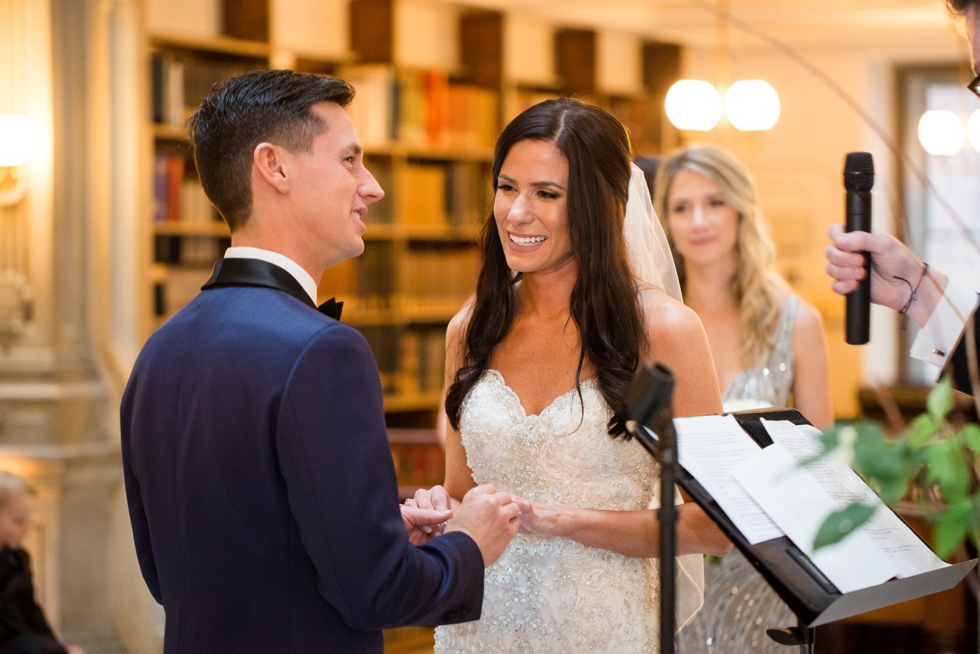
[(270, 163)]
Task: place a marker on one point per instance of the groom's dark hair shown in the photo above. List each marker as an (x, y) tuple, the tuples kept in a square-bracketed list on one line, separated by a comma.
[(241, 112), (605, 306)]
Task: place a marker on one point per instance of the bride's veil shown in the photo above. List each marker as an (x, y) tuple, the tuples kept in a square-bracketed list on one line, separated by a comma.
[(653, 264), (646, 242)]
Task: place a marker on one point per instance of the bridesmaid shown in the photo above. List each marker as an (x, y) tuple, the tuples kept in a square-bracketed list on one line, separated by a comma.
[(768, 347)]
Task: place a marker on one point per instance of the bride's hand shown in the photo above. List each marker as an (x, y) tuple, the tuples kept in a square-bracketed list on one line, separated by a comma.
[(538, 519)]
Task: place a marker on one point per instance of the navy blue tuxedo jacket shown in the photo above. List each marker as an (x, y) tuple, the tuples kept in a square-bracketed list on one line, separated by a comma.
[(261, 488)]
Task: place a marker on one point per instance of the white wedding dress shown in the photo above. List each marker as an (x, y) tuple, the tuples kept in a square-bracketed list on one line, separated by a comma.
[(553, 594)]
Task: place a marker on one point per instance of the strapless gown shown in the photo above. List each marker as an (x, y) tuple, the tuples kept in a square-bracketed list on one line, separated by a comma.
[(554, 594)]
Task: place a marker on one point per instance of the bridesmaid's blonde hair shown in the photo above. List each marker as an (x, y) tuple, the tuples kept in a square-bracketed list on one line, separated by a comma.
[(10, 485), (756, 286)]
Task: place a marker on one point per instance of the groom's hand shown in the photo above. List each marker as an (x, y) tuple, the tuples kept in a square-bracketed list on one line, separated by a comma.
[(490, 518), (427, 514), (423, 522)]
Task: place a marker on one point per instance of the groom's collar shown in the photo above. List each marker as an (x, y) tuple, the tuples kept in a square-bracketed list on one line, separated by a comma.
[(255, 272), (304, 278)]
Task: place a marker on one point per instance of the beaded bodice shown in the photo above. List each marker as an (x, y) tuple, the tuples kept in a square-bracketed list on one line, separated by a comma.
[(554, 594), (561, 456)]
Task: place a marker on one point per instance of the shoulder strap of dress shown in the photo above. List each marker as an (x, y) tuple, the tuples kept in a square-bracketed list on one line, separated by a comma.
[(782, 341)]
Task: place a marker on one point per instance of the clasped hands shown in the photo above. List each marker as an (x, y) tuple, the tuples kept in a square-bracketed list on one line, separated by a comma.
[(428, 513)]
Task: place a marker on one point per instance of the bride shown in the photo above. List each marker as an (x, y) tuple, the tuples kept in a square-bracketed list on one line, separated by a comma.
[(538, 368)]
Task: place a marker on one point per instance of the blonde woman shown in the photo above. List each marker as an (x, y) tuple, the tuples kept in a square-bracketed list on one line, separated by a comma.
[(768, 347)]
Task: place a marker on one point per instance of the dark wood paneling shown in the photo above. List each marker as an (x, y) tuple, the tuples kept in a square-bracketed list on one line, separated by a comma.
[(575, 60), (371, 30), (246, 19), (481, 48)]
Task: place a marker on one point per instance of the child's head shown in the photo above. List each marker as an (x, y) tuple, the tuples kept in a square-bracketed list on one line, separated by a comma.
[(16, 509)]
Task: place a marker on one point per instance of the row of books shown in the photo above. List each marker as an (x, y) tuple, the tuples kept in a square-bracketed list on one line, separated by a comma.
[(177, 197), (179, 286), (188, 250), (431, 193), (411, 360), (418, 464), (180, 84), (420, 108), (440, 270)]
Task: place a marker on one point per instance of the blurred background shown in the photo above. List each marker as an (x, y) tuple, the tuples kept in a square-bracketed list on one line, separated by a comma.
[(105, 231)]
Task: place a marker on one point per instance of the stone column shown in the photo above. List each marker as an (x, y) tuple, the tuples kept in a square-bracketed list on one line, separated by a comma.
[(63, 63)]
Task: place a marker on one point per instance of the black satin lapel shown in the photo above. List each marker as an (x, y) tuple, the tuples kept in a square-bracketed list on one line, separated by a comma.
[(255, 272)]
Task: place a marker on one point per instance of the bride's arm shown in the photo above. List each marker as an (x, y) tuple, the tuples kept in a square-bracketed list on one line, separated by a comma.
[(459, 477), (630, 533), (677, 340)]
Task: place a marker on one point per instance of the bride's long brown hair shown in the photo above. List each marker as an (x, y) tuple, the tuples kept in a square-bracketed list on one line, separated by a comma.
[(605, 305)]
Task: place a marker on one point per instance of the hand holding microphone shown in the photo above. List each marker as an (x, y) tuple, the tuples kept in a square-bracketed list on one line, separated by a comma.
[(874, 268)]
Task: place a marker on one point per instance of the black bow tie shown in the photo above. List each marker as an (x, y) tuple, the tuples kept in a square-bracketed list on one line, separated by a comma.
[(331, 308)]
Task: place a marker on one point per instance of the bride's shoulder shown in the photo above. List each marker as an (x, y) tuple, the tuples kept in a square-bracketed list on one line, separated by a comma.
[(462, 318), (456, 331), (663, 313)]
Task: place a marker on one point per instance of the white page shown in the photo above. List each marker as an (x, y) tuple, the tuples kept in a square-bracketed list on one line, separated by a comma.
[(896, 540), (799, 505), (708, 447)]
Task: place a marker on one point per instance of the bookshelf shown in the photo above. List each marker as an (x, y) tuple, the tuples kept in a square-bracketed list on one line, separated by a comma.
[(428, 118), (188, 235)]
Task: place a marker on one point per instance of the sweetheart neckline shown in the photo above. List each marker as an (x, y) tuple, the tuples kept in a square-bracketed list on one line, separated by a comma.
[(503, 382)]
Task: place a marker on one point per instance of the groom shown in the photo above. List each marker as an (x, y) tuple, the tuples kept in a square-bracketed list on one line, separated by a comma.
[(261, 488)]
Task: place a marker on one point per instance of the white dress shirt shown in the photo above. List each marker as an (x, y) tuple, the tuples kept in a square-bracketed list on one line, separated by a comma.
[(938, 337), (304, 278)]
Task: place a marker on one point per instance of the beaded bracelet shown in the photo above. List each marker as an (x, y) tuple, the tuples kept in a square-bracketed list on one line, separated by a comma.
[(912, 296)]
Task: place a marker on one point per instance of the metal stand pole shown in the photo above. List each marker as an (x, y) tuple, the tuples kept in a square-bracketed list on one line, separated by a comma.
[(808, 640), (668, 538), (650, 405)]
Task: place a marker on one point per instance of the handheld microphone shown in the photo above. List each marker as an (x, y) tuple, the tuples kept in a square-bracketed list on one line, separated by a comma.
[(859, 177)]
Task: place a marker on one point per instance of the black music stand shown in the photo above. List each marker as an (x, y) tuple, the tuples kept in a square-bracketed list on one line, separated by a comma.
[(797, 581)]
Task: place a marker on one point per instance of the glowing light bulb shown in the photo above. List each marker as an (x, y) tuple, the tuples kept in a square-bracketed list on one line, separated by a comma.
[(752, 105), (16, 140), (693, 105), (941, 133), (973, 130)]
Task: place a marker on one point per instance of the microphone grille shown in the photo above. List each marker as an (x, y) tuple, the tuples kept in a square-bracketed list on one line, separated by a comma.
[(859, 171)]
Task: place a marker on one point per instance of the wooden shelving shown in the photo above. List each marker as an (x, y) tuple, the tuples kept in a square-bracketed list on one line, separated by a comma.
[(178, 228), (219, 45)]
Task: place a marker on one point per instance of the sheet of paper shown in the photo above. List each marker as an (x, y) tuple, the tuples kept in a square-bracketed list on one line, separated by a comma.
[(708, 447), (910, 555), (798, 503)]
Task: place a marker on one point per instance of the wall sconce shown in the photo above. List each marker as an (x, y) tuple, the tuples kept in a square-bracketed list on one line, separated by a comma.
[(16, 147)]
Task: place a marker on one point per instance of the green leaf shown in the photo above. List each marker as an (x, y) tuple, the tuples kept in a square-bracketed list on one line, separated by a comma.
[(940, 400), (971, 434), (880, 458), (923, 428), (892, 489), (953, 526), (840, 523), (948, 468), (830, 439)]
